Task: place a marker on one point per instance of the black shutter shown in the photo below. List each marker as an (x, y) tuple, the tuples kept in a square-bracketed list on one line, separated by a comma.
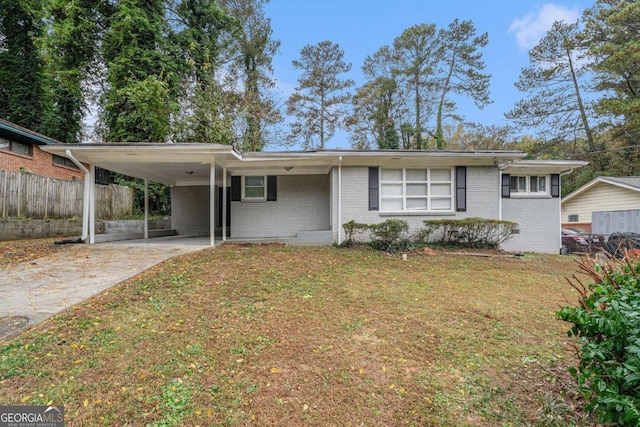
[(219, 207), (555, 185), (272, 188), (461, 188), (506, 185), (374, 185), (236, 188)]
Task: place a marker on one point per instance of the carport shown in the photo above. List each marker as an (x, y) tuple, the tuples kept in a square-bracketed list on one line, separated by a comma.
[(169, 164)]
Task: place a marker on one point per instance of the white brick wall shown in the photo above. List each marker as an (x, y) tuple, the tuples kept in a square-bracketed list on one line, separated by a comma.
[(303, 205), (190, 210), (483, 194), (539, 221)]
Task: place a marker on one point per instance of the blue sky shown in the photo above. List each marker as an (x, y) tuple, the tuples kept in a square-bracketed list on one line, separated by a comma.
[(361, 27)]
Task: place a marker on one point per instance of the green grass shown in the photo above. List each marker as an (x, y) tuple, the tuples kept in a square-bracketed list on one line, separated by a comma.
[(271, 335)]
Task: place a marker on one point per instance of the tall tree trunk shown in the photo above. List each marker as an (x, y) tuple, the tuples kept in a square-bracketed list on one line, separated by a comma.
[(445, 89), (583, 114), (418, 128)]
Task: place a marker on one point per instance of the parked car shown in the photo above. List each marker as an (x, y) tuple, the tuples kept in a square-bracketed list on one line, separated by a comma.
[(580, 241), (619, 243)]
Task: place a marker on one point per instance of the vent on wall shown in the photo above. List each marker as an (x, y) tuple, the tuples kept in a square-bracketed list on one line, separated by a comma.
[(573, 218)]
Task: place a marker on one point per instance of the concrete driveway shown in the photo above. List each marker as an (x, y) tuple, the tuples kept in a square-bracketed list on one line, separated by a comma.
[(33, 291)]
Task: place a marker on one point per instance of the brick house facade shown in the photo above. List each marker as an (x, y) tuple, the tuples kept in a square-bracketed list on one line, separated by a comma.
[(20, 152)]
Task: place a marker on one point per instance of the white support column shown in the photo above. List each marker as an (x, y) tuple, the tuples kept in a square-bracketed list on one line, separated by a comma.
[(85, 195), (146, 208), (212, 204), (92, 204), (339, 224), (224, 204)]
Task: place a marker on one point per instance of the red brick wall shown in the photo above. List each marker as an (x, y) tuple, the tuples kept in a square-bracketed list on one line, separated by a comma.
[(40, 163), (586, 226)]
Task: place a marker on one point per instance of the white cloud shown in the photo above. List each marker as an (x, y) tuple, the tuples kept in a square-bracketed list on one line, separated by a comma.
[(533, 26)]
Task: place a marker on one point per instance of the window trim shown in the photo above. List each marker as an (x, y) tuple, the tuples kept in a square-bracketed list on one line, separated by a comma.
[(429, 196), (243, 186), (10, 150)]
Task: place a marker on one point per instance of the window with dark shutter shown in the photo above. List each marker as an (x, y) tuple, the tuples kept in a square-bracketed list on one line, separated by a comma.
[(506, 185), (374, 188), (461, 188), (555, 185)]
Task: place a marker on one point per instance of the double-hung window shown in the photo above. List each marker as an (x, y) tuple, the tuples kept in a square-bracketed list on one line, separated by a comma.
[(416, 190), (534, 184), (254, 187)]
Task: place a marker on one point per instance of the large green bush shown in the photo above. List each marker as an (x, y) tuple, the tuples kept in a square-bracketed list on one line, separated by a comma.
[(606, 323), (391, 235)]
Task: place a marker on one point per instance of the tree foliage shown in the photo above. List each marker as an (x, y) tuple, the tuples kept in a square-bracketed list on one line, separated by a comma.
[(253, 48), (412, 82), (320, 96), (460, 69), (555, 82), (612, 32), (414, 56), (23, 98)]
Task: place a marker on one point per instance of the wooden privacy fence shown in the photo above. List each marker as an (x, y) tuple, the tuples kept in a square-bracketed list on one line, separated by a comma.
[(34, 196)]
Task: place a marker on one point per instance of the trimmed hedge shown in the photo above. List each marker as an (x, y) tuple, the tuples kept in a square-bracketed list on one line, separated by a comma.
[(469, 232), (393, 234)]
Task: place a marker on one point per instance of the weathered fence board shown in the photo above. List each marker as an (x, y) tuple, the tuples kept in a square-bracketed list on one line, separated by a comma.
[(34, 196)]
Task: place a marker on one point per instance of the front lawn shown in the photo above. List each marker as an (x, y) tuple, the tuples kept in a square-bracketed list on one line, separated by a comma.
[(286, 336)]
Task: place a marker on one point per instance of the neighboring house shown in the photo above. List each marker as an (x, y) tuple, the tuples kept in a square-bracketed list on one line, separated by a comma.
[(20, 151), (310, 194), (602, 194)]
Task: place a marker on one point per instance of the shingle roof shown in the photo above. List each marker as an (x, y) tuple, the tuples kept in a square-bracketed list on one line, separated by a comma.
[(632, 181)]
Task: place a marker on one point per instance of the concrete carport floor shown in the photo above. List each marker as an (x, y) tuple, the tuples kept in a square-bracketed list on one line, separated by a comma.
[(34, 291)]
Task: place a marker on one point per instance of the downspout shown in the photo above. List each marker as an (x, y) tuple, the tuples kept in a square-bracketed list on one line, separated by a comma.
[(500, 168), (338, 225), (146, 208), (560, 201), (224, 204), (85, 196)]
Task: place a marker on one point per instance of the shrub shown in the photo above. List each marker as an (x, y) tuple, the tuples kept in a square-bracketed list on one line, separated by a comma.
[(352, 228), (469, 232), (607, 326), (390, 235)]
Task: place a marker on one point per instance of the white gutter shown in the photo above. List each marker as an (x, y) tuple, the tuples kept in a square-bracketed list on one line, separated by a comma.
[(339, 224), (85, 196), (560, 203)]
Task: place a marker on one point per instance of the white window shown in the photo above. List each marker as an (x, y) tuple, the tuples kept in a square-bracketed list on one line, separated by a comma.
[(254, 187), (534, 184), (410, 190)]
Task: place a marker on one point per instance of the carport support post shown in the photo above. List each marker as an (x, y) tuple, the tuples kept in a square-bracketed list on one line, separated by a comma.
[(146, 208), (212, 203), (224, 204), (92, 204)]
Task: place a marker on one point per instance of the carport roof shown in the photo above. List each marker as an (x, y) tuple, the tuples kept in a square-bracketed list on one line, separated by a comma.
[(190, 163)]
